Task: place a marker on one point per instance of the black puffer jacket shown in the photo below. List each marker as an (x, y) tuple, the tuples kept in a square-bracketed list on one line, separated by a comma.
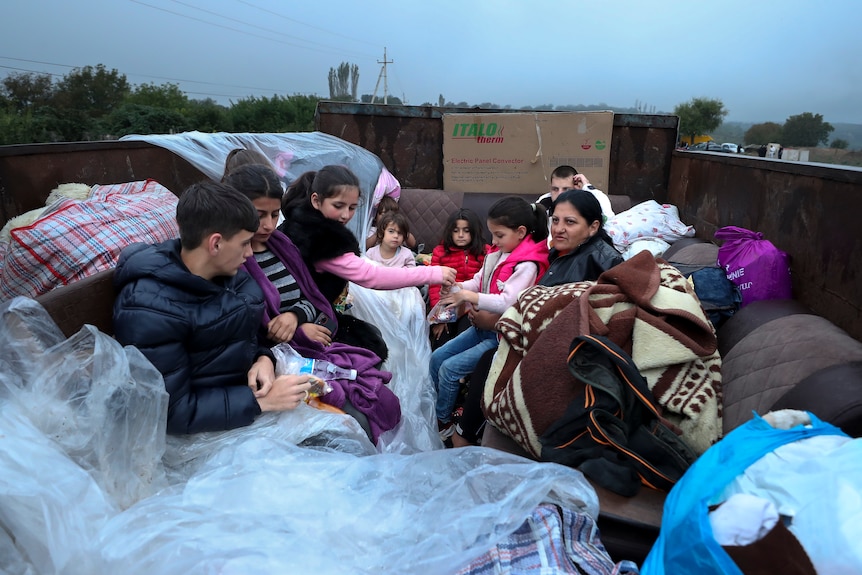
[(201, 335), (586, 263), (319, 239)]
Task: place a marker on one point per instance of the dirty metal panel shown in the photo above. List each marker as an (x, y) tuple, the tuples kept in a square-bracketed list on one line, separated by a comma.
[(808, 210), (29, 173), (409, 141)]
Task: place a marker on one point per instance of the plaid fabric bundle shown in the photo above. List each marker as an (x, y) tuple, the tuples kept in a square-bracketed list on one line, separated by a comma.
[(77, 238), (551, 540)]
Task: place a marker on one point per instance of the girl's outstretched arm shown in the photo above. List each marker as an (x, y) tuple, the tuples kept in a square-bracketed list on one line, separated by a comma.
[(360, 271)]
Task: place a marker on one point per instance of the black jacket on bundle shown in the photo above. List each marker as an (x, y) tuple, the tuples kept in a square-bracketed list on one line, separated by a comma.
[(586, 263), (201, 335), (319, 239)]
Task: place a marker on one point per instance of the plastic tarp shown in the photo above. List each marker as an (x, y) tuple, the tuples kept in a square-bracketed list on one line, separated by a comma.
[(89, 485), (822, 494), (291, 154)]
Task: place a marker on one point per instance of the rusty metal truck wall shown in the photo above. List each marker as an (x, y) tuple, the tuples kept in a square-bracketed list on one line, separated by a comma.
[(28, 173), (409, 141), (811, 211)]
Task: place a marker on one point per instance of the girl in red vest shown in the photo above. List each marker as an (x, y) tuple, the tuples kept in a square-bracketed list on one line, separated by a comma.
[(520, 256), (463, 248)]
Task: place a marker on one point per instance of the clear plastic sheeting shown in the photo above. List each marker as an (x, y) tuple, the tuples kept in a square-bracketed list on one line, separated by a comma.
[(266, 506), (400, 316), (304, 426), (291, 155), (91, 397), (297, 492)]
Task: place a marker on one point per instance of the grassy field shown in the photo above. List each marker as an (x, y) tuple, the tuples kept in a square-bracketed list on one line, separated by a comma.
[(833, 156)]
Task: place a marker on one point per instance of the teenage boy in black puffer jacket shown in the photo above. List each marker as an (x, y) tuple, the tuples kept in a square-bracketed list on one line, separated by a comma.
[(186, 307)]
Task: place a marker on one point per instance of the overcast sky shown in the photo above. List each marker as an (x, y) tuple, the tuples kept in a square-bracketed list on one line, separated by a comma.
[(765, 59)]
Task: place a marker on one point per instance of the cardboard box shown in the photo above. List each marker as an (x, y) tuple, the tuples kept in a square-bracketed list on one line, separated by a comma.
[(515, 153)]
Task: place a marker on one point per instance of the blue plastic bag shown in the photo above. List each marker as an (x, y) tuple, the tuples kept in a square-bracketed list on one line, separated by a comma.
[(685, 543)]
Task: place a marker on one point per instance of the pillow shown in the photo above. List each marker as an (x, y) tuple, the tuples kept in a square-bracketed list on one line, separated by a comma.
[(77, 238), (647, 219)]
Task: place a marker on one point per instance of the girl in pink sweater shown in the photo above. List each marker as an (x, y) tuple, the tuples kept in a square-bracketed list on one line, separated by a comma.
[(316, 208)]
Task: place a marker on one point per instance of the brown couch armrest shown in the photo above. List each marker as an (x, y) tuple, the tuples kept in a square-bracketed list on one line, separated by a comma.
[(89, 300), (834, 394)]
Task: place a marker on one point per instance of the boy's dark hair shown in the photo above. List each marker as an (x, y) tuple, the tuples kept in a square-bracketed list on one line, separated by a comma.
[(242, 157), (396, 218), (513, 212), (211, 207), (255, 181), (476, 247), (563, 172), (325, 182)]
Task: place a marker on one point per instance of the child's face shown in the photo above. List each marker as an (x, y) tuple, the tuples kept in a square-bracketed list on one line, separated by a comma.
[(268, 210), (560, 185), (505, 238), (341, 207), (392, 236), (461, 235)]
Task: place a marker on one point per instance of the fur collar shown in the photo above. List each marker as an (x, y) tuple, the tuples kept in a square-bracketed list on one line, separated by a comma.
[(317, 238)]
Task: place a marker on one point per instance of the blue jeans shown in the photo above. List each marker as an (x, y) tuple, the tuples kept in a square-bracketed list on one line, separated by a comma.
[(456, 359)]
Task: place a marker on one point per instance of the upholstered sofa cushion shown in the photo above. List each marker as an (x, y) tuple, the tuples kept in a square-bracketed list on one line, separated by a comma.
[(427, 212), (833, 394), (773, 358), (752, 316), (692, 251)]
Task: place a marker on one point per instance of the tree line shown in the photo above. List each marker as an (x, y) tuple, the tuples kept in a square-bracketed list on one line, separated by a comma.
[(94, 103), (701, 116)]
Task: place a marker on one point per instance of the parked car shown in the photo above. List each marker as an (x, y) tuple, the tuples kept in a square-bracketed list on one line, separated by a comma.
[(731, 147), (706, 147)]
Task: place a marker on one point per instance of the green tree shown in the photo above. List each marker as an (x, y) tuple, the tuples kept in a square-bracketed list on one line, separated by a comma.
[(26, 91), (806, 130), (839, 144), (763, 133), (140, 119), (276, 114), (208, 116), (25, 109), (167, 96), (83, 98), (343, 82), (700, 116), (390, 100)]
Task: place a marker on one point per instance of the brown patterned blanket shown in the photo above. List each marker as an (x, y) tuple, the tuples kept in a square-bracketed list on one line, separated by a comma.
[(643, 305)]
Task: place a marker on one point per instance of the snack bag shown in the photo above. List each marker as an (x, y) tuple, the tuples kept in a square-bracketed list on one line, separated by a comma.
[(440, 313)]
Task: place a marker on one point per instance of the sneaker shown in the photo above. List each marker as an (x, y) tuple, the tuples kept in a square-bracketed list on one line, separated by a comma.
[(445, 430)]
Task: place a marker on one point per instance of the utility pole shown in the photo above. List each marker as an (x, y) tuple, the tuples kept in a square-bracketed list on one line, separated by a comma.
[(385, 82)]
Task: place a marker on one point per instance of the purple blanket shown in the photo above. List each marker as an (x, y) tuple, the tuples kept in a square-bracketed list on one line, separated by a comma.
[(368, 392)]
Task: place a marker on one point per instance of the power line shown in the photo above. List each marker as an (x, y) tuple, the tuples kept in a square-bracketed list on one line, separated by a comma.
[(277, 32), (306, 24), (132, 74), (27, 70), (286, 43)]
